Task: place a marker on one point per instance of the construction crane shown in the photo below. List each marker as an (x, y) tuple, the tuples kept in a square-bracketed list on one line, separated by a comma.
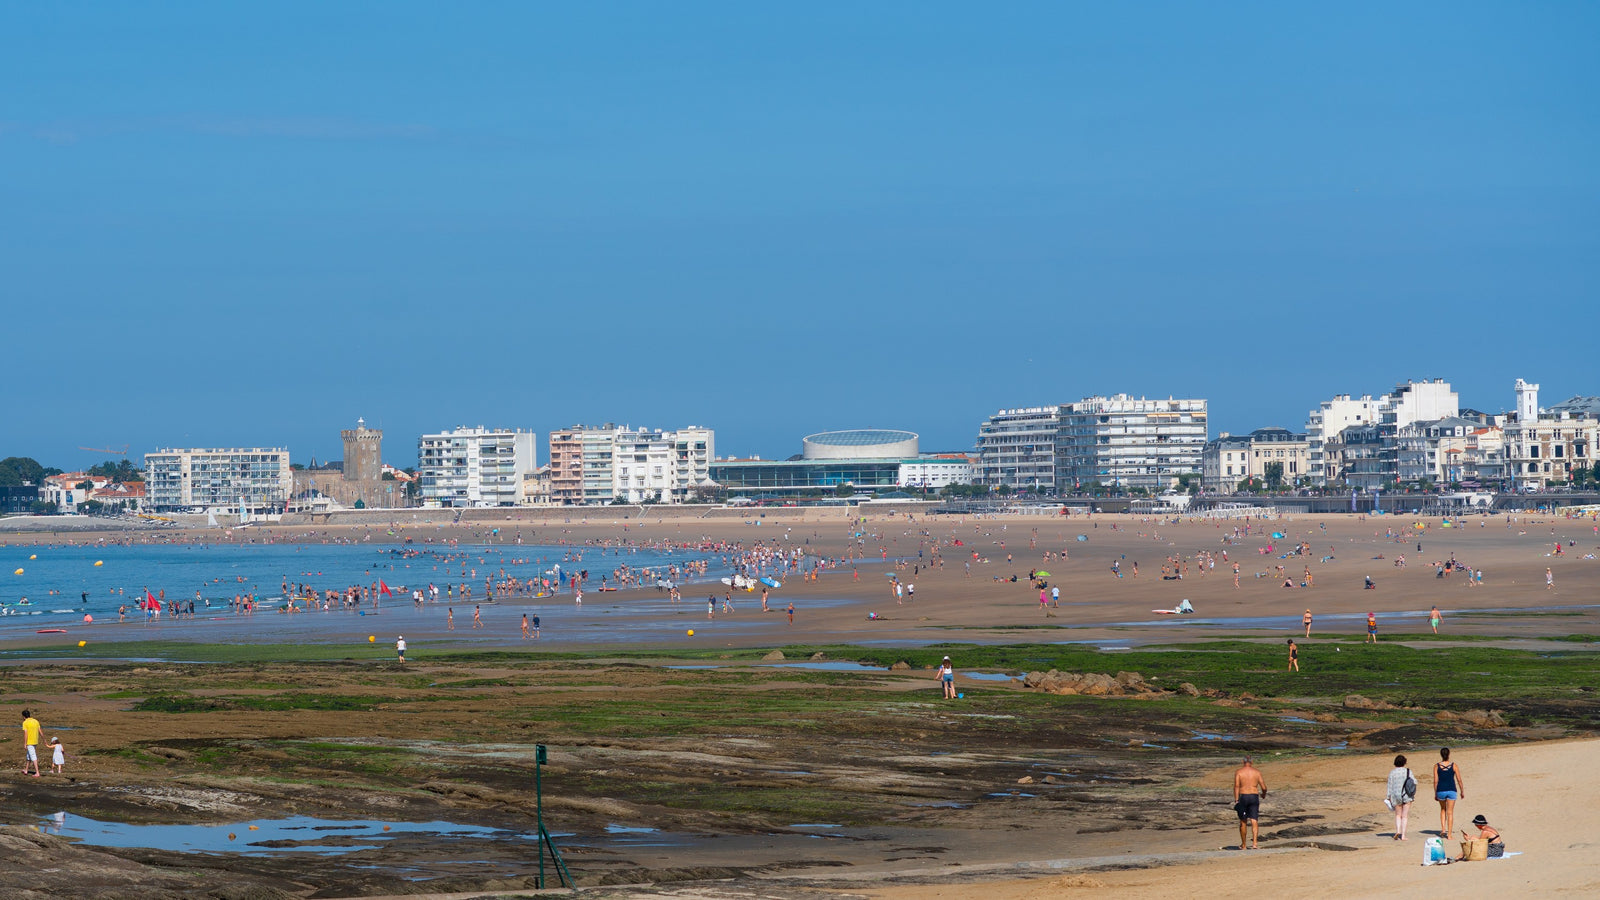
[(111, 450)]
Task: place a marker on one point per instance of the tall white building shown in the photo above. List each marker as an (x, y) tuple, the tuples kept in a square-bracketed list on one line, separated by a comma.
[(474, 467), (1410, 401), (1017, 448), (248, 483), (1131, 442)]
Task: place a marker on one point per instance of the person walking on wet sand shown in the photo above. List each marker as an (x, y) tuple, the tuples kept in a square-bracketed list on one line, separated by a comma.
[(477, 616), (1248, 789), (1549, 579), (1294, 656), (791, 612), (450, 619), (1372, 628), (1434, 617), (947, 675), (400, 649), (524, 626), (1306, 621)]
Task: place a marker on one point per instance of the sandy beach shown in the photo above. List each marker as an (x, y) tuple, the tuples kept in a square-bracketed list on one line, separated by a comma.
[(760, 780)]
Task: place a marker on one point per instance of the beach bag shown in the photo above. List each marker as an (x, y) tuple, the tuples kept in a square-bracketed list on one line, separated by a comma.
[(1475, 850), (1410, 787), (1433, 852)]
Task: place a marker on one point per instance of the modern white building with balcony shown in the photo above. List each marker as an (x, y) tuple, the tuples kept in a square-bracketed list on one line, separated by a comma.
[(1131, 442), (474, 467), (250, 483)]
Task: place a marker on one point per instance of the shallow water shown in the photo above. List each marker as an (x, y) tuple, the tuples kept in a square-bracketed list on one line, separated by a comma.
[(330, 837)]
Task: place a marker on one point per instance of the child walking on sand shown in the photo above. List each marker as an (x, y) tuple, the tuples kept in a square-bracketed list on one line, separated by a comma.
[(58, 755)]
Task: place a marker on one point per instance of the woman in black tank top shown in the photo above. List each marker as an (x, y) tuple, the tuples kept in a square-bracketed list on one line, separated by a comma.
[(1448, 787)]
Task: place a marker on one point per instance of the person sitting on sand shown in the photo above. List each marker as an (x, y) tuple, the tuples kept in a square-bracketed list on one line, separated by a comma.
[(1497, 845)]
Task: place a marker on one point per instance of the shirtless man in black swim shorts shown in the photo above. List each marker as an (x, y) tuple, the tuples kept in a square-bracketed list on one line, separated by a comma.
[(1248, 789)]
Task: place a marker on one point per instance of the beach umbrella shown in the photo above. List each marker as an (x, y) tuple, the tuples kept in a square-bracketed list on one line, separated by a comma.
[(1043, 574)]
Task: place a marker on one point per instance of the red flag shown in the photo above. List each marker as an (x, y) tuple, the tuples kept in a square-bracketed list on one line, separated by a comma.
[(383, 588)]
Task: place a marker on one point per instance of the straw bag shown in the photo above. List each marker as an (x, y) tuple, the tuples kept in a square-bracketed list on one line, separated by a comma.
[(1475, 850)]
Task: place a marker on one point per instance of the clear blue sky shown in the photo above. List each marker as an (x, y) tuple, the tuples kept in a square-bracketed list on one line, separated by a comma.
[(224, 226)]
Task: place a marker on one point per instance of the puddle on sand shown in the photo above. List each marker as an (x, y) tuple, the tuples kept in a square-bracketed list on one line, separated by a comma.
[(297, 834), (989, 676), (1297, 720), (829, 665)]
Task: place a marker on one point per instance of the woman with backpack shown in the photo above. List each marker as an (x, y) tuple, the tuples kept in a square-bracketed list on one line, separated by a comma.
[(1401, 791)]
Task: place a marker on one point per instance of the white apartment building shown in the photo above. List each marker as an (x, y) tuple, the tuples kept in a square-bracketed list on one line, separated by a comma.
[(1410, 401), (935, 472), (1131, 442), (1544, 446), (474, 467), (1231, 459), (1017, 448), (246, 482), (1453, 449), (662, 466), (598, 464)]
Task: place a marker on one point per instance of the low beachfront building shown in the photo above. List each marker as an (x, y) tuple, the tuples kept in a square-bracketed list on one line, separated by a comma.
[(866, 460), (474, 467), (69, 490), (1231, 459), (250, 483)]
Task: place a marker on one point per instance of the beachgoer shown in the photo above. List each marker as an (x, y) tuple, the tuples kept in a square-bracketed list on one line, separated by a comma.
[(1055, 597), (525, 627), (1294, 656), (400, 648), (1549, 579), (1306, 621), (1372, 628), (1488, 833), (1433, 617), (58, 755), (1248, 789), (477, 616), (1448, 787), (947, 675), (450, 619), (1397, 798), (791, 613), (30, 734)]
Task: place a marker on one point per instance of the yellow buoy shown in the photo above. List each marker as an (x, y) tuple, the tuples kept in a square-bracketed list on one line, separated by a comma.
[(19, 571), (83, 643), (255, 827), (99, 562), (33, 556), (371, 638), (385, 828), (691, 632)]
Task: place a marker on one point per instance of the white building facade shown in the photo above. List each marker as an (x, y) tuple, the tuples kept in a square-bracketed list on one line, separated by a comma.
[(650, 465), (474, 467), (1131, 442), (933, 472), (251, 483), (1017, 448), (1410, 401)]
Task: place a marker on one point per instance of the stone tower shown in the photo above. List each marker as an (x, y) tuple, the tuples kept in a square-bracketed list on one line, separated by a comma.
[(363, 453)]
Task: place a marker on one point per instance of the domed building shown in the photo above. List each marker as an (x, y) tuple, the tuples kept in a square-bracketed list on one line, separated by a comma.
[(866, 459)]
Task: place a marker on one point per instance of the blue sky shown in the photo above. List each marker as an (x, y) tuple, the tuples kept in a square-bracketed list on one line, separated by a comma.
[(226, 226)]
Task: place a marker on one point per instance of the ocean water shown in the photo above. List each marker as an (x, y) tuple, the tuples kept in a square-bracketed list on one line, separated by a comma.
[(62, 584)]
